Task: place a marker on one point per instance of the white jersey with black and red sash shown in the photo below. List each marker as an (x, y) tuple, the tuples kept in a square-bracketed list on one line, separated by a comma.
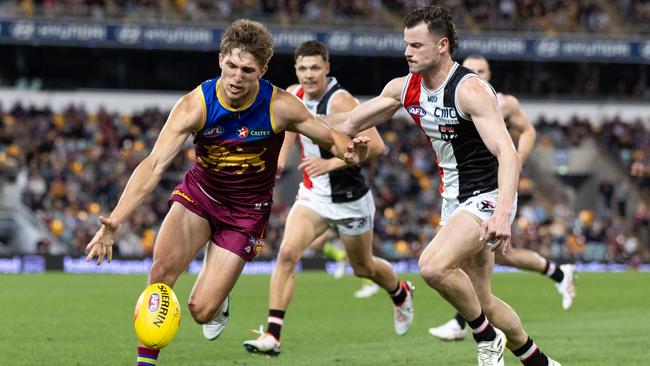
[(342, 185), (467, 167)]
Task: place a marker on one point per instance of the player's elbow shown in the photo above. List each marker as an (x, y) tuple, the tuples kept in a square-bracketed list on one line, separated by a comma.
[(376, 149), (348, 128)]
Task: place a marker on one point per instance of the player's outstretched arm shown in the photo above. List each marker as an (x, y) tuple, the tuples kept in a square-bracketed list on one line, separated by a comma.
[(511, 110), (292, 115), (315, 166), (476, 98), (372, 112), (285, 151), (186, 116)]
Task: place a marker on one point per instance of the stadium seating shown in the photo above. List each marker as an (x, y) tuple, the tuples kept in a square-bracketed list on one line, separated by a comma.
[(77, 146)]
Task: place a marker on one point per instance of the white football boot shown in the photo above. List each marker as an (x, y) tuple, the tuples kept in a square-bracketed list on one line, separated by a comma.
[(566, 288), (491, 353), (366, 290), (213, 329), (403, 314), (264, 344), (450, 331), (553, 362)]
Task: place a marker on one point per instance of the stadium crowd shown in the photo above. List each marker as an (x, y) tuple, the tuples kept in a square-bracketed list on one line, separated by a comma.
[(550, 16), (77, 167)]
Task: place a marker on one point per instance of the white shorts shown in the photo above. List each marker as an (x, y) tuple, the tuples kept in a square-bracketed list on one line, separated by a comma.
[(481, 206), (350, 218)]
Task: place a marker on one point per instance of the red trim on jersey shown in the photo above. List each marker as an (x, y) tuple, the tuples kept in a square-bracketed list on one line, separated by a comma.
[(300, 93), (305, 177), (412, 96), (442, 177)]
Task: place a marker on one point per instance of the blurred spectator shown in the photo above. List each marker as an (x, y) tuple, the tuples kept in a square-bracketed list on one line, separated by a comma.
[(76, 168), (550, 16)]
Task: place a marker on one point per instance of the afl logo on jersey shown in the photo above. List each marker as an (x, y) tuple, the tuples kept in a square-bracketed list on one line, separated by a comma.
[(242, 132), (214, 132), (416, 111)]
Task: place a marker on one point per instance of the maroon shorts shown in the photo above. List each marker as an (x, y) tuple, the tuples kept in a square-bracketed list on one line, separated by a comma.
[(236, 228)]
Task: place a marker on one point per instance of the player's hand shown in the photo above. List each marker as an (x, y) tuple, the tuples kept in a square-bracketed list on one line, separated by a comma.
[(357, 151), (315, 166), (102, 244), (495, 233)]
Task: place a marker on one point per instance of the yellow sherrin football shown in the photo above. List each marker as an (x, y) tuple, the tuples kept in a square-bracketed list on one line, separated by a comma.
[(157, 316)]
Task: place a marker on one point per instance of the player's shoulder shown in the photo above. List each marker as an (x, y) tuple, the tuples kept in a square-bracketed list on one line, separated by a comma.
[(342, 101), (395, 87), (293, 88), (508, 104)]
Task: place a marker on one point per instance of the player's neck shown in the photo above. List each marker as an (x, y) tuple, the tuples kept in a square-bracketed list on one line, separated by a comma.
[(315, 96), (437, 75), (239, 102)]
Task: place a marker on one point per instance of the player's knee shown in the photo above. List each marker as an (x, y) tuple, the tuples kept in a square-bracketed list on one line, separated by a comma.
[(201, 312), (433, 272), (288, 256), (362, 270)]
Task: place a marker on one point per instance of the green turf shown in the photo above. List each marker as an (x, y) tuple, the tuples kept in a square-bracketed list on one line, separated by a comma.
[(58, 319)]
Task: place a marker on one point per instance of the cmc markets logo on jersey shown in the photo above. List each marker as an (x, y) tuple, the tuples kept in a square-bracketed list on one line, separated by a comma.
[(242, 132), (214, 131), (416, 111)]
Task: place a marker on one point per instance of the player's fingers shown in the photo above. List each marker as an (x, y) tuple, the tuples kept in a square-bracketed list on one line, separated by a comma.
[(110, 254), (303, 164), (90, 249), (506, 246), (100, 255)]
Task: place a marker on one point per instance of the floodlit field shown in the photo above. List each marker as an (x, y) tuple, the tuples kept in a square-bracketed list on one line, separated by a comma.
[(59, 319)]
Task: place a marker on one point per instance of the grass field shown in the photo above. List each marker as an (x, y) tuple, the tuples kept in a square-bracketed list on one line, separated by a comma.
[(59, 319)]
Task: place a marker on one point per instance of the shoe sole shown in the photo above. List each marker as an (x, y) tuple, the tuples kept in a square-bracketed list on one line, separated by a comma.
[(252, 349)]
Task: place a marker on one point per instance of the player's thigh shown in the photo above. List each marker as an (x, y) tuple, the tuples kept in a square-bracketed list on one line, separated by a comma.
[(456, 240), (182, 234), (219, 273), (303, 225), (479, 269), (358, 247)]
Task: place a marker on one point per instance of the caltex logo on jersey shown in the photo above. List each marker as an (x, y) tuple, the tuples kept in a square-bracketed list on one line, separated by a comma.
[(243, 132), (416, 111)]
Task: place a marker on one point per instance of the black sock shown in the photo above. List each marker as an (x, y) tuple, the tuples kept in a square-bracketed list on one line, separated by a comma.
[(553, 271), (399, 294), (482, 329), (530, 355), (274, 322), (461, 321)]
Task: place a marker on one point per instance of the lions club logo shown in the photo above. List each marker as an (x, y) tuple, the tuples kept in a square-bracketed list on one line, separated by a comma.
[(243, 132), (256, 245), (154, 302)]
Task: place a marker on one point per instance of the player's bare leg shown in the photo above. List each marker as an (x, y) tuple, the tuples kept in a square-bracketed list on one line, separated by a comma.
[(209, 302), (303, 225), (525, 259), (439, 266), (530, 260), (365, 265), (181, 236), (479, 269)]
